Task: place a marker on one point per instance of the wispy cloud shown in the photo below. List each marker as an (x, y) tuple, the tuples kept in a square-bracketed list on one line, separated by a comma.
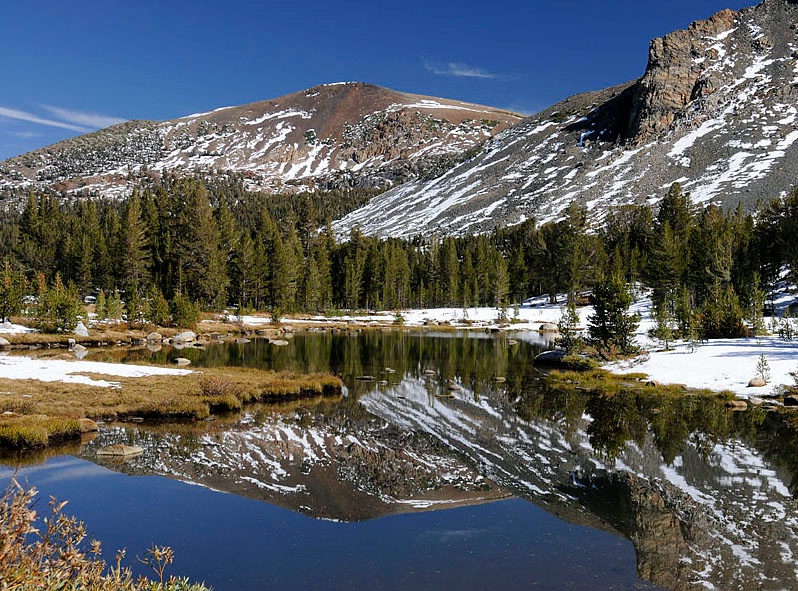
[(458, 70), (25, 134), (82, 118), (72, 120), (31, 118)]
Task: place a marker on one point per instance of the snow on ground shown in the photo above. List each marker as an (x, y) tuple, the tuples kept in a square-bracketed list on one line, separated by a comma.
[(720, 364), (59, 370), (8, 328)]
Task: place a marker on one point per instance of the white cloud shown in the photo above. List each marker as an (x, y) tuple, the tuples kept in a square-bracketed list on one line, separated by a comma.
[(459, 70), (72, 120), (31, 118), (82, 118), (25, 134)]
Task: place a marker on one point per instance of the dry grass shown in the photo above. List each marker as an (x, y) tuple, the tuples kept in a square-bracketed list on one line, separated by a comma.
[(45, 412)]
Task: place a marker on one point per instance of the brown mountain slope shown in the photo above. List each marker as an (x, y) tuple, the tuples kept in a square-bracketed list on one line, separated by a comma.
[(346, 134)]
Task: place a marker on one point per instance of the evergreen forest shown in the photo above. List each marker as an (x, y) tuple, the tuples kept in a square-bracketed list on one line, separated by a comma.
[(214, 246)]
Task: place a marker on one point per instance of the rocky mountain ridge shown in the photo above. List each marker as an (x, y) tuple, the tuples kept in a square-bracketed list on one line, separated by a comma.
[(331, 136), (715, 111)]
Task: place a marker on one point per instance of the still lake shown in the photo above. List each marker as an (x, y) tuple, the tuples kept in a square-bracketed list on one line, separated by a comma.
[(451, 469)]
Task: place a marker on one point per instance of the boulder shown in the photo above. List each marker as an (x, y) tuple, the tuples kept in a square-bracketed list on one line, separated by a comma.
[(757, 382), (80, 351), (182, 361), (88, 426), (154, 337), (554, 357), (188, 336), (120, 450), (81, 330), (548, 327)]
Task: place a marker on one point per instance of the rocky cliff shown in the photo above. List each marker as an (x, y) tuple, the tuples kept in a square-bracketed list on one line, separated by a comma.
[(714, 110)]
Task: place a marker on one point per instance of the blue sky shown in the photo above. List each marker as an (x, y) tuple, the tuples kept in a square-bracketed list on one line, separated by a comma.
[(73, 67)]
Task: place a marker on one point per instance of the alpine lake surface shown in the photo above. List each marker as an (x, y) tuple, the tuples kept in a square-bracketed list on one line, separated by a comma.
[(445, 465)]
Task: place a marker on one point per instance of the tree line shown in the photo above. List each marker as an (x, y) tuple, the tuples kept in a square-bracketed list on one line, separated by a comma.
[(217, 245)]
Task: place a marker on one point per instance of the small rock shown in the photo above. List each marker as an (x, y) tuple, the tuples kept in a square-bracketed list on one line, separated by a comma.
[(756, 382), (71, 342), (242, 341), (454, 387), (548, 327), (279, 342), (7, 413), (120, 451), (511, 342), (389, 370), (182, 361), (499, 379), (365, 378), (736, 405), (81, 330), (154, 337)]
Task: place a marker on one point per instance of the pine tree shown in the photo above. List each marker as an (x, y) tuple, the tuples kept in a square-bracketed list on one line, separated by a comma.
[(134, 254), (100, 307), (12, 291), (611, 327), (157, 307)]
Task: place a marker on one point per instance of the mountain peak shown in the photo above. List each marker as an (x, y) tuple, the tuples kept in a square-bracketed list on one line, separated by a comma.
[(348, 134), (716, 110)]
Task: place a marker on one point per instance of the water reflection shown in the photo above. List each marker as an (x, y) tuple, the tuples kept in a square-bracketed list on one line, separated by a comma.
[(704, 494)]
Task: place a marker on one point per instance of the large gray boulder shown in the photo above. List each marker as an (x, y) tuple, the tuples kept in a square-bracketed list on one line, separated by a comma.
[(185, 337)]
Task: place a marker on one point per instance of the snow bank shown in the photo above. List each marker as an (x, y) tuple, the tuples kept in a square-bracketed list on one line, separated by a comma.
[(720, 364), (59, 370)]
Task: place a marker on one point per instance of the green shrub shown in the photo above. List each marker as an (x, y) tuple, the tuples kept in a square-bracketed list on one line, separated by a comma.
[(185, 313)]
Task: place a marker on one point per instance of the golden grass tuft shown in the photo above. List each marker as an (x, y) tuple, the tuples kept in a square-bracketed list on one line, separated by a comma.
[(52, 409), (36, 431)]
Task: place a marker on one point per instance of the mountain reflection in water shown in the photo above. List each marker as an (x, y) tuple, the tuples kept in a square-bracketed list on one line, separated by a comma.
[(703, 494)]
